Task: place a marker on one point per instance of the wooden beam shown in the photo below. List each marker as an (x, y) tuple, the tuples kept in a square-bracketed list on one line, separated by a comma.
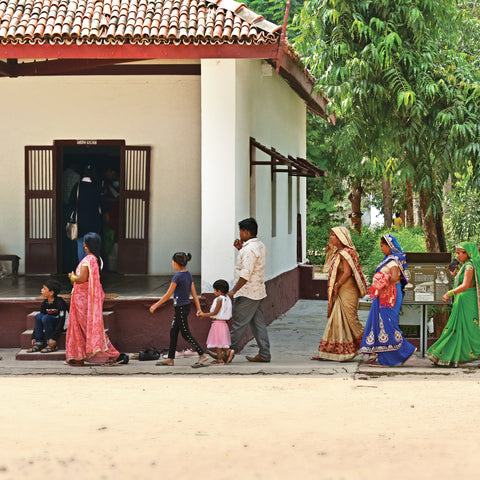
[(135, 51), (170, 69), (60, 67), (5, 69), (295, 166), (101, 67)]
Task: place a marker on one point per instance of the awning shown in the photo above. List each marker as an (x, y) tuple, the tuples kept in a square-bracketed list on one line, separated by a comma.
[(294, 166)]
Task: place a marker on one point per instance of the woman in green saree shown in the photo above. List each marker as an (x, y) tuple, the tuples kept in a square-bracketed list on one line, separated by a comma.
[(460, 340)]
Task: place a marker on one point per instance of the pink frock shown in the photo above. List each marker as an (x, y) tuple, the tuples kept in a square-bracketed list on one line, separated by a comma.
[(219, 334), (86, 337)]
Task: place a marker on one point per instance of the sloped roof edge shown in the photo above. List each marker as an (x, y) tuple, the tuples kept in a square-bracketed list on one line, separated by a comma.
[(292, 69)]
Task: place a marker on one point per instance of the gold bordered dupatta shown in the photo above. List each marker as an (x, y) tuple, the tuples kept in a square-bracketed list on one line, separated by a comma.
[(332, 263)]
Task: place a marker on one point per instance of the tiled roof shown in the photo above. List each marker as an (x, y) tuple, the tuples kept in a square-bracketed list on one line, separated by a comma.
[(117, 22)]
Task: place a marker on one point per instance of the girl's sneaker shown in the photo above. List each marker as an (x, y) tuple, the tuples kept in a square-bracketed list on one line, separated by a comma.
[(183, 354), (189, 353)]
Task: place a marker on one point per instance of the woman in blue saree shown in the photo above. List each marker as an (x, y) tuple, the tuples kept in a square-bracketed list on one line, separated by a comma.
[(382, 338)]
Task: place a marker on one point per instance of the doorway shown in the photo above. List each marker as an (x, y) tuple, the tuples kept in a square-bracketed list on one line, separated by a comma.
[(103, 163), (123, 176)]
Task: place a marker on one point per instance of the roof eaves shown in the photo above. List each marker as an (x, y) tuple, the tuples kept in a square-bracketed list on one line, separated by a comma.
[(299, 78)]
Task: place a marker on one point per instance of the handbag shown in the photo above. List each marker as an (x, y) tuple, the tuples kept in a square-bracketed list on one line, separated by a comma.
[(72, 224)]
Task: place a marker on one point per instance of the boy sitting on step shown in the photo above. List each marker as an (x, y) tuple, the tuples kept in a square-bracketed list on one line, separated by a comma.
[(50, 321)]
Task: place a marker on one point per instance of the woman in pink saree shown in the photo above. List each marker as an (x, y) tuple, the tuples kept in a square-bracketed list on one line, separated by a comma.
[(86, 337)]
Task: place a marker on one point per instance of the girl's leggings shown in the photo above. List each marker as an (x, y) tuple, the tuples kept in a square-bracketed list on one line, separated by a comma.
[(180, 324)]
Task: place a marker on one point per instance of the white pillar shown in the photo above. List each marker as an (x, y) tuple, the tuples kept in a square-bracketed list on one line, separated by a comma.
[(219, 222)]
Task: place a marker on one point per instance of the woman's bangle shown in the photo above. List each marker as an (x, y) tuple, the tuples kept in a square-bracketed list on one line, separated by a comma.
[(450, 293), (339, 283), (73, 278)]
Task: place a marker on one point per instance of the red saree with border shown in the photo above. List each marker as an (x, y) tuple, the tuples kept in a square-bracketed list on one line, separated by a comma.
[(86, 337)]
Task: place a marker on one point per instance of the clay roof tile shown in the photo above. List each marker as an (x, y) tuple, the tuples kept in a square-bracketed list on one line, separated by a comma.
[(145, 21)]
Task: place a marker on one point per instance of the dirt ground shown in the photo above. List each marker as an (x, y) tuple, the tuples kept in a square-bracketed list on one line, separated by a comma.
[(273, 427)]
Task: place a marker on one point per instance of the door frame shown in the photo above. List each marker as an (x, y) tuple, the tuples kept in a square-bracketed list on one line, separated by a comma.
[(59, 146), (140, 264)]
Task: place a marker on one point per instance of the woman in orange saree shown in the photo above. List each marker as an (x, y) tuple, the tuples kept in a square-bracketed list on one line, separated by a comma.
[(86, 337), (346, 284)]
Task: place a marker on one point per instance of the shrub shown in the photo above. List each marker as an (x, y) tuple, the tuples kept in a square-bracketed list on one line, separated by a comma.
[(367, 245), (317, 239), (410, 239)]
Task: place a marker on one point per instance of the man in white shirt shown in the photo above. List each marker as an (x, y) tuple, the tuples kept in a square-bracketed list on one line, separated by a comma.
[(249, 292)]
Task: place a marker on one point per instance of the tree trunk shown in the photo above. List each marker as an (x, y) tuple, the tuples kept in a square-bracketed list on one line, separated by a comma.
[(440, 319), (440, 232), (429, 224), (355, 198), (387, 202), (417, 213), (409, 202)]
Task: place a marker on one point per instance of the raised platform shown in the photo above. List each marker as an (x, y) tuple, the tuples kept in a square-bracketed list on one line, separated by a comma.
[(135, 328)]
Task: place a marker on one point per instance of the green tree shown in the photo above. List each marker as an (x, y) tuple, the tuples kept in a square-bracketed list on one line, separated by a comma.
[(388, 69)]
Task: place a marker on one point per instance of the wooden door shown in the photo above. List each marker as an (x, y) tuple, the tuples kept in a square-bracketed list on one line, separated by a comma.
[(134, 209), (40, 210)]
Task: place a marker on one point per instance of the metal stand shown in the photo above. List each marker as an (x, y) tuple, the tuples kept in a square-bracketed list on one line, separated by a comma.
[(423, 331)]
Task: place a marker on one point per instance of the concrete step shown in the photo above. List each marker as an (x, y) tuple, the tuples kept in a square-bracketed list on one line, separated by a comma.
[(26, 339), (23, 355)]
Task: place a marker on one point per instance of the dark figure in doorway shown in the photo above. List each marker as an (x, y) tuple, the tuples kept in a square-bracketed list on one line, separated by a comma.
[(90, 207), (70, 179)]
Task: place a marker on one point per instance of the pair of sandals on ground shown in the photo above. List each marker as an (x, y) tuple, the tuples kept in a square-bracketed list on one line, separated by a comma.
[(227, 357), (38, 347)]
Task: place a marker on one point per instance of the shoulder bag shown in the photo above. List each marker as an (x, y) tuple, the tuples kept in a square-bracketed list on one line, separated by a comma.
[(72, 224)]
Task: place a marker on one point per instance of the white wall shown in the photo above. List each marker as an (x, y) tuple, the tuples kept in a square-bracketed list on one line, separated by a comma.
[(264, 107), (162, 112), (276, 117)]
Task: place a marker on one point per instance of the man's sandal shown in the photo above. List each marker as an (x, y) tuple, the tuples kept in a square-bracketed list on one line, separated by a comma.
[(49, 349), (35, 348)]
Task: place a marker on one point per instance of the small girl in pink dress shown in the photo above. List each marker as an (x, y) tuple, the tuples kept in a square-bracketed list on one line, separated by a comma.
[(220, 312)]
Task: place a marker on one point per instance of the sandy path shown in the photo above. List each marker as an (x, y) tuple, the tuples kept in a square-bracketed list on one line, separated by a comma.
[(238, 427)]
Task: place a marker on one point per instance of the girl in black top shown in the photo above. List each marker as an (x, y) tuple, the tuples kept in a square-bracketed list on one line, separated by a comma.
[(181, 287)]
